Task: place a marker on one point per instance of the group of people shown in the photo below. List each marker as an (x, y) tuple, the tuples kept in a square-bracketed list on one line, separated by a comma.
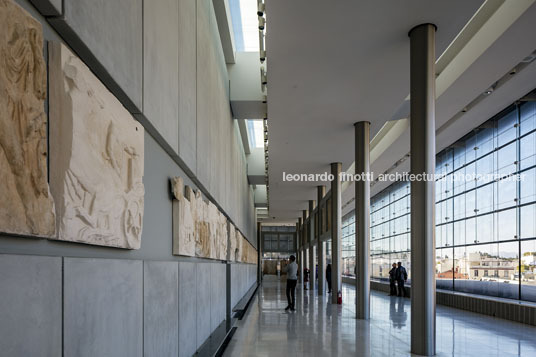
[(328, 277), (397, 278)]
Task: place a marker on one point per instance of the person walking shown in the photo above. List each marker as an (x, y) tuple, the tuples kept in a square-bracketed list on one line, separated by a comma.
[(392, 280), (401, 278), (328, 277), (292, 280)]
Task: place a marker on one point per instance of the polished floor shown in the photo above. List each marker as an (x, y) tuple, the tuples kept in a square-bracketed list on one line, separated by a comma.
[(318, 328)]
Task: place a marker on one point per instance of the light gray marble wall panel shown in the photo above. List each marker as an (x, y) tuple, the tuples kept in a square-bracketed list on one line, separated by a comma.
[(187, 82), (235, 286), (203, 297), (206, 106), (112, 31), (217, 303), (161, 67), (246, 277), (160, 308), (103, 307), (222, 169), (249, 276), (243, 279), (223, 117), (238, 282), (30, 305), (254, 274), (187, 308), (204, 292), (48, 7)]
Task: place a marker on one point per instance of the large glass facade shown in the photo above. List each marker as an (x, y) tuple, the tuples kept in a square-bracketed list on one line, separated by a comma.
[(278, 239), (485, 227), (389, 230), (348, 245)]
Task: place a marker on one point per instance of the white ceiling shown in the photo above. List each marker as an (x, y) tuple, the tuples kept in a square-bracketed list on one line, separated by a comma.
[(334, 63)]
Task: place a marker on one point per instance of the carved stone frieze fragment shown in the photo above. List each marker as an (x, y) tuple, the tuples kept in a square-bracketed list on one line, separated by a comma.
[(96, 157), (26, 205), (199, 228)]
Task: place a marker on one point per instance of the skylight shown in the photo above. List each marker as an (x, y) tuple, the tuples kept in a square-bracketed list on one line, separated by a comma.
[(255, 133), (245, 25)]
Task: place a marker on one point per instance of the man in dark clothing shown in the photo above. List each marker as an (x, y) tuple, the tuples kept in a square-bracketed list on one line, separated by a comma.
[(392, 280), (328, 277), (401, 277)]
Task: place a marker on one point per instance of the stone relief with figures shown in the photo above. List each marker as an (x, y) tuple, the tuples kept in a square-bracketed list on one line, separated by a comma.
[(26, 205), (96, 158), (201, 230), (231, 255)]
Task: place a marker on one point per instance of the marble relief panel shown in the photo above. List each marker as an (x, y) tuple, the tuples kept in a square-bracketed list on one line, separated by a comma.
[(183, 220), (239, 246), (232, 242), (26, 205), (251, 254), (244, 251), (199, 228), (96, 158)]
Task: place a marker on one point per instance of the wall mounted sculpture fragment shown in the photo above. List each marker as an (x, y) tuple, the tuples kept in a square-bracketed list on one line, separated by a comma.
[(96, 157), (251, 253), (233, 245), (199, 228), (26, 205)]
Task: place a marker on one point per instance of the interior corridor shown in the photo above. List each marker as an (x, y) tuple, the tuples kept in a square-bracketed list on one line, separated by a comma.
[(318, 328)]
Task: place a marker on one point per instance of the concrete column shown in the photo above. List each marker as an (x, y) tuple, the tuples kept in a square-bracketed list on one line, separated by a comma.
[(296, 245), (228, 296), (422, 144), (362, 208), (300, 250), (320, 246), (310, 238), (259, 252), (336, 224), (304, 244)]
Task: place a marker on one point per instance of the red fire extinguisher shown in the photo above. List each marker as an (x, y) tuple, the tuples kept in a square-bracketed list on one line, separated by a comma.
[(339, 298)]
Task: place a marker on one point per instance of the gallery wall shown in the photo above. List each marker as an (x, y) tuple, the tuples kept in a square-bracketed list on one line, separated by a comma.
[(54, 306), (219, 160), (163, 60)]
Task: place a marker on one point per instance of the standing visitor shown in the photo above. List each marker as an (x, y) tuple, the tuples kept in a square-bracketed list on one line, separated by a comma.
[(401, 278), (392, 280), (292, 280)]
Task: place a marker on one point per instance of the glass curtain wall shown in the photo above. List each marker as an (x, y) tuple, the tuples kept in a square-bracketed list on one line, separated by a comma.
[(348, 245), (485, 226), (278, 239)]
